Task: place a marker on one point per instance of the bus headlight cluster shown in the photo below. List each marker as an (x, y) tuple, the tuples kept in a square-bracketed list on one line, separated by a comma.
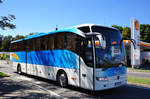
[(101, 78)]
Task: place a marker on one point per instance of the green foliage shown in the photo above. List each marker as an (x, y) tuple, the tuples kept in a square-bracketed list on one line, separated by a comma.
[(5, 22), (4, 56), (145, 32), (126, 33), (5, 44), (3, 74), (18, 37), (31, 34), (118, 27), (6, 40)]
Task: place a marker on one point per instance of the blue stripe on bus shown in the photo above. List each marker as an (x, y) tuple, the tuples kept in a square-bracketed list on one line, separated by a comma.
[(114, 71), (56, 58)]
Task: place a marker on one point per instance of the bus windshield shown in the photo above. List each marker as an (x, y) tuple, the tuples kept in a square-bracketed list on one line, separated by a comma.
[(112, 54)]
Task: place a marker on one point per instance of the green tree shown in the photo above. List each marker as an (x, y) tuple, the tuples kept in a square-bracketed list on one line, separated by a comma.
[(5, 46), (18, 37), (31, 34), (126, 32), (5, 21), (118, 27), (145, 32)]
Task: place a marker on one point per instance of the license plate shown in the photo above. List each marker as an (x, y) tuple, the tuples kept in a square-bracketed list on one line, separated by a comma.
[(117, 83)]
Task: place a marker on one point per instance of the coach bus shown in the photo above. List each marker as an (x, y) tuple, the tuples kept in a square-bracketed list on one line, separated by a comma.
[(89, 56)]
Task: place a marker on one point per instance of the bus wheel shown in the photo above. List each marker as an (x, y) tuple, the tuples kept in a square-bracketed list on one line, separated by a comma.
[(19, 70), (62, 79)]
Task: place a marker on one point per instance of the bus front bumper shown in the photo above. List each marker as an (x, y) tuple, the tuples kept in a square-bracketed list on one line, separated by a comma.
[(112, 82)]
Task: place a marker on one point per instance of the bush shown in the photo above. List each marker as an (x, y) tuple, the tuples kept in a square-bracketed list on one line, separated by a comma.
[(3, 56)]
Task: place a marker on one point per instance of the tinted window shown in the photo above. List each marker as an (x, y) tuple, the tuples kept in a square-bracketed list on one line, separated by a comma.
[(85, 29), (73, 42), (51, 42), (86, 51), (111, 35), (60, 41), (18, 46), (42, 47), (113, 54), (37, 44), (45, 43)]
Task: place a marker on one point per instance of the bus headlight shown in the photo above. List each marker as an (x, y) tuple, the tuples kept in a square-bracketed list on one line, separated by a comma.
[(101, 78)]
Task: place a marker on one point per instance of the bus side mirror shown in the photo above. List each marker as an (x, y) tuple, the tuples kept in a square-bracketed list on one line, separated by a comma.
[(101, 41), (132, 41)]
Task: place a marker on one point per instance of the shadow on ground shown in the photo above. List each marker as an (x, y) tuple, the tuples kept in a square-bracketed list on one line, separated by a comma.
[(12, 89), (145, 67), (124, 92)]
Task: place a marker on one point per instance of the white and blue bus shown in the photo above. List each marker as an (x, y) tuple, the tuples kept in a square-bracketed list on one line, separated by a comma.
[(88, 56)]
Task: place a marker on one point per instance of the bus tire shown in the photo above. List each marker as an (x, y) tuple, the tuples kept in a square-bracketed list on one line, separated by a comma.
[(62, 79), (19, 69)]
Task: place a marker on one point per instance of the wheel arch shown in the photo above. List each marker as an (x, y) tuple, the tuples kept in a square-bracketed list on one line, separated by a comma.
[(18, 65), (59, 72)]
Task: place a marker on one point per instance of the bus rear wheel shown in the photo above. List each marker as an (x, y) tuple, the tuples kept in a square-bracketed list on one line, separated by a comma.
[(62, 79), (19, 70)]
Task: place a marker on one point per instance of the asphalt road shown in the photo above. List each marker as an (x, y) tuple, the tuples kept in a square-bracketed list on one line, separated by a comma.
[(139, 74), (124, 92)]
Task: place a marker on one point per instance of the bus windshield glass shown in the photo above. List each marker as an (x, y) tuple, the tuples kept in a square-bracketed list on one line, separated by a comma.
[(111, 54)]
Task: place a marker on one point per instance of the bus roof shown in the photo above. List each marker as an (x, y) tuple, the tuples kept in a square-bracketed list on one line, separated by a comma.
[(73, 29), (83, 25)]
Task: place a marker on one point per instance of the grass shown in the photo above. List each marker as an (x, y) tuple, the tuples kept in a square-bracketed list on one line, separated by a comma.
[(3, 74), (138, 70), (138, 80)]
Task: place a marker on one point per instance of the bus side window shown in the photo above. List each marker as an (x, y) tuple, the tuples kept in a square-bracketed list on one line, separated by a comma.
[(60, 41), (71, 41), (18, 46), (37, 44), (28, 43), (31, 44), (50, 42), (42, 47), (45, 43), (13, 47), (55, 41), (86, 52)]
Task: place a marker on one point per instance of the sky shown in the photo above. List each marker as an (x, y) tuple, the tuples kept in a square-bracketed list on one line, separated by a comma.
[(43, 15)]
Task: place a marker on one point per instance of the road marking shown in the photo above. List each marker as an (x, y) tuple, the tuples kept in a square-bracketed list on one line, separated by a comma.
[(50, 92), (40, 87), (23, 78)]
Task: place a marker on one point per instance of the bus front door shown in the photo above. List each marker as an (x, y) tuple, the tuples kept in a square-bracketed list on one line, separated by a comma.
[(86, 65)]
